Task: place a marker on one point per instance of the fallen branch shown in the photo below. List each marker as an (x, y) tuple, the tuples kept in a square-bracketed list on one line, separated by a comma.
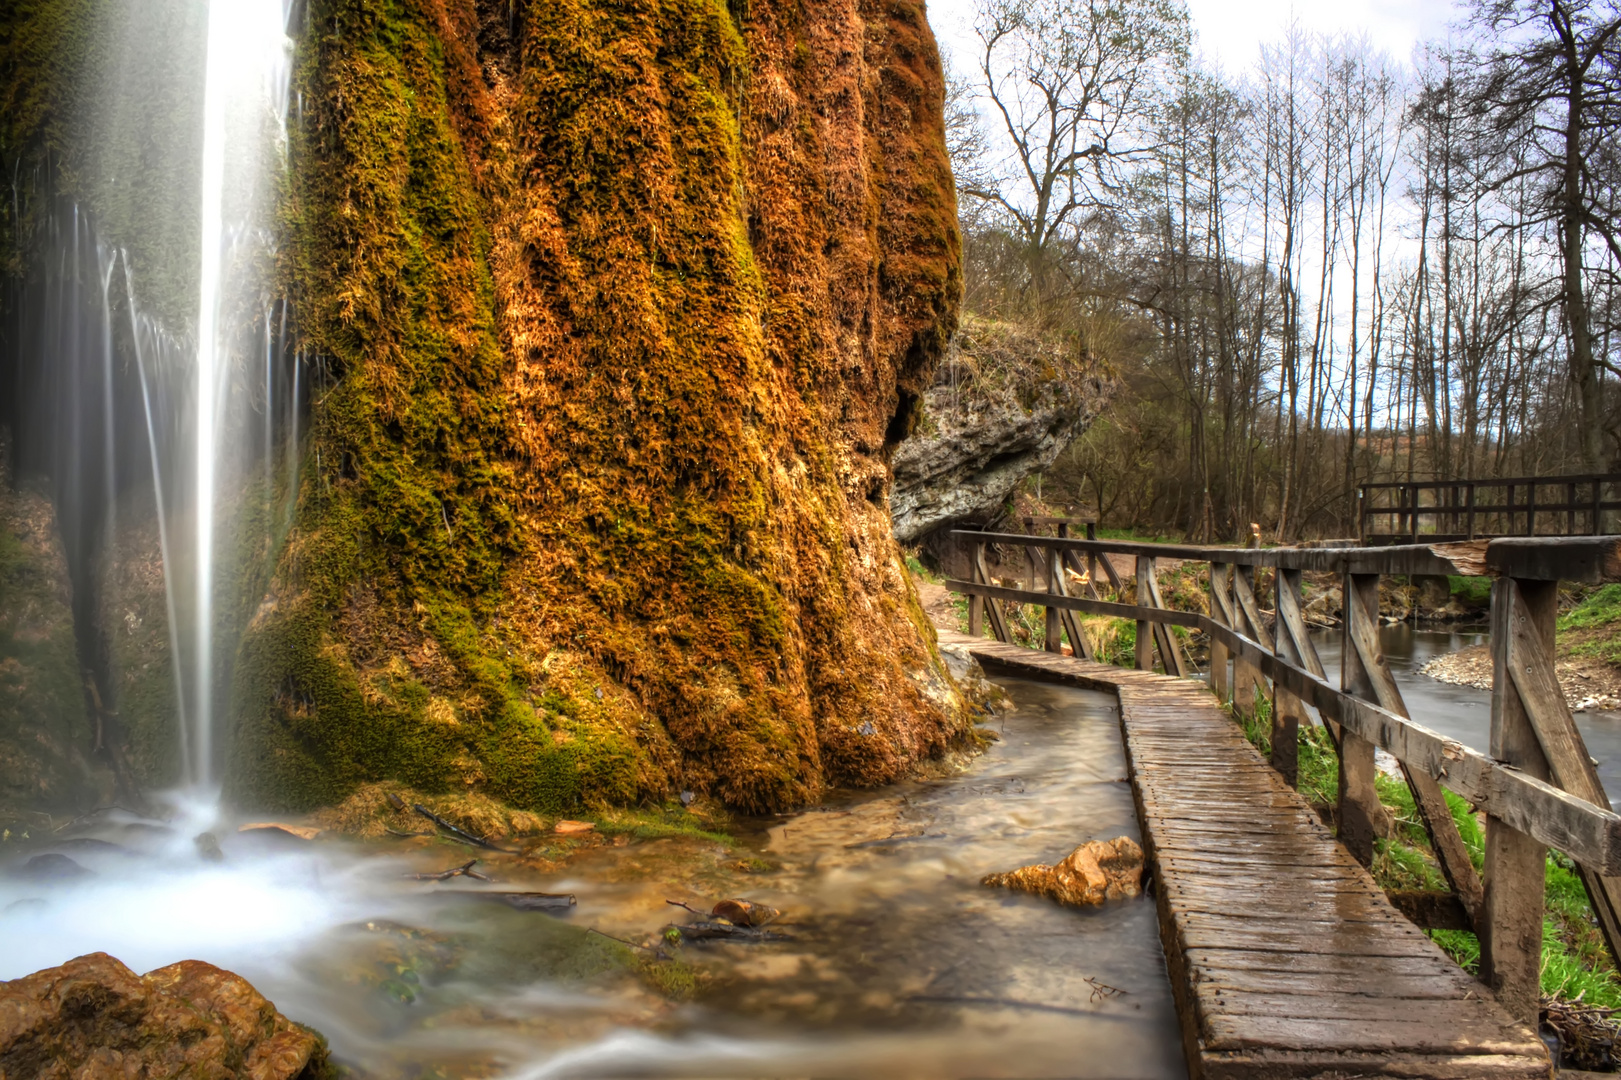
[(456, 830), (464, 870)]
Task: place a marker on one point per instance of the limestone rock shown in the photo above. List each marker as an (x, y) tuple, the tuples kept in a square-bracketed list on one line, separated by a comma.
[(93, 1017), (1002, 407), (1094, 872)]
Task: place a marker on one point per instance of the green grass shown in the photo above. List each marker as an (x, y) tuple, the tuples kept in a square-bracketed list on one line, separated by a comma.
[(1596, 625), (915, 565), (1575, 962)]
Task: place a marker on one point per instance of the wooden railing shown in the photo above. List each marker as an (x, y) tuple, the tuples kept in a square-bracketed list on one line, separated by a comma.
[(1535, 784), (1442, 510)]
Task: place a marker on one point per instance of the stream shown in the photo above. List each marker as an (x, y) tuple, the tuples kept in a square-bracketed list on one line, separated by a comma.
[(1464, 712), (894, 961)]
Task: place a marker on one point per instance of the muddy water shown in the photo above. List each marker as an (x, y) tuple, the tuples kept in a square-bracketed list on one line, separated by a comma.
[(1464, 712), (893, 961)]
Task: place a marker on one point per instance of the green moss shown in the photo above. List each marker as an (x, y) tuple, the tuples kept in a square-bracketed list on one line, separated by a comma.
[(1471, 591)]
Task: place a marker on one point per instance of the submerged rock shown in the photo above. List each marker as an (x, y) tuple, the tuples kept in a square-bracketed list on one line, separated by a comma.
[(51, 866), (94, 1017), (1094, 872)]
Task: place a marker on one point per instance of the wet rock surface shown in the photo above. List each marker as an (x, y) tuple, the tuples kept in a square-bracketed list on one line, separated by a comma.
[(94, 1017), (1095, 872)]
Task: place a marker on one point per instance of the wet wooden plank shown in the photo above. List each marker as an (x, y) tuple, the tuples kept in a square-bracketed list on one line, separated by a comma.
[(1285, 957)]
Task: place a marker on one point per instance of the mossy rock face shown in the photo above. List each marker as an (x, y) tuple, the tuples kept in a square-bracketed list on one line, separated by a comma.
[(621, 312), (45, 726)]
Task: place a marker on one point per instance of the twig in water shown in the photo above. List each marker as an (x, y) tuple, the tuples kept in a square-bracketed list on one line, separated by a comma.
[(689, 907), (1101, 990), (464, 870), (396, 832)]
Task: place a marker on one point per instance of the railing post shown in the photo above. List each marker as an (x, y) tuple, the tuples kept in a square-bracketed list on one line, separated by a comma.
[(1221, 612), (1359, 798), (1510, 928), (1246, 677), (1145, 629), (1054, 629), (976, 608), (1471, 516), (1287, 709)]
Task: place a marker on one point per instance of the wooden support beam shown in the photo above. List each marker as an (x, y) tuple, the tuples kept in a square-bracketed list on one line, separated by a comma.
[(1078, 644), (1221, 612), (1510, 927), (1360, 811), (1431, 804), (1051, 627), (1247, 681), (1170, 654), (1529, 658), (1288, 711), (1145, 639), (998, 621)]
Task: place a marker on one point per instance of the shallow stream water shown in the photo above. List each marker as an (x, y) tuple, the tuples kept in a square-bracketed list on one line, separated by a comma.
[(1464, 712), (894, 962)]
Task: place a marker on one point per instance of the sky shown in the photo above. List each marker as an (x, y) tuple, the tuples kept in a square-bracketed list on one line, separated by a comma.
[(1230, 32)]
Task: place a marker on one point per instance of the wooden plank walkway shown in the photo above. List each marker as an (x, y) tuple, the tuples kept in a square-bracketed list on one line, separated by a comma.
[(1286, 959)]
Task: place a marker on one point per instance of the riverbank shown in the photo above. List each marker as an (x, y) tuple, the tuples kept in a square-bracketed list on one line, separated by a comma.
[(1588, 655)]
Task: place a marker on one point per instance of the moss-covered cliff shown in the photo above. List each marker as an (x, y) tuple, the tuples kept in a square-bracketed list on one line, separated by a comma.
[(627, 303), (620, 309)]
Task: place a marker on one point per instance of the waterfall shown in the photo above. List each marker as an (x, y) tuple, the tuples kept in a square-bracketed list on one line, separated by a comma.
[(145, 375), (248, 67)]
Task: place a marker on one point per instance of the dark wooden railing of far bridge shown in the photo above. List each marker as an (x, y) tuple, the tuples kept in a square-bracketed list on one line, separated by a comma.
[(1536, 784), (1438, 511)]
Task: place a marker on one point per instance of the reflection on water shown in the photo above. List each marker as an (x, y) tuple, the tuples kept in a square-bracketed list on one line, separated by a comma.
[(899, 963), (1463, 712)]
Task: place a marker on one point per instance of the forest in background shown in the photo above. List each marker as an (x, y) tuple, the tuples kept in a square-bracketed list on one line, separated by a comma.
[(1333, 268)]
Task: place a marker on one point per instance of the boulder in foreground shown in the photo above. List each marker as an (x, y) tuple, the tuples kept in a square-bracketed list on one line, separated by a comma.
[(1094, 872), (94, 1017)]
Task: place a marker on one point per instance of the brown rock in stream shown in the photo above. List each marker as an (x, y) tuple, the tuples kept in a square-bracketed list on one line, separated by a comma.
[(93, 1017), (1094, 872)]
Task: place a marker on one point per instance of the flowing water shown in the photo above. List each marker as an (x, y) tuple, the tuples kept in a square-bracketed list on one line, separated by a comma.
[(1464, 712), (894, 962)]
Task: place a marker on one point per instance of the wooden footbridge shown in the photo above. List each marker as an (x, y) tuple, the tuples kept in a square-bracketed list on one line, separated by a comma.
[(1285, 956)]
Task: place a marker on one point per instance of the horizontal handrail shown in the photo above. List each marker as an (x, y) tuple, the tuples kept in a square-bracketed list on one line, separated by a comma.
[(1587, 833), (1586, 559), (1517, 481)]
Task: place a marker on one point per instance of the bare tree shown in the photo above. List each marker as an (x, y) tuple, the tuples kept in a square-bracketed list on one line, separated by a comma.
[(1074, 85)]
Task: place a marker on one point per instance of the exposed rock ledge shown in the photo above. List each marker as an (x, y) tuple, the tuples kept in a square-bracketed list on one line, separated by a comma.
[(94, 1017), (1003, 406)]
